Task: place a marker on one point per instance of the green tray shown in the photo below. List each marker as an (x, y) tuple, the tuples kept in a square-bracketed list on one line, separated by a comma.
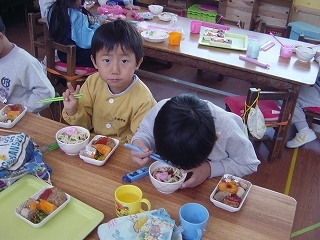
[(239, 42), (195, 13), (75, 221)]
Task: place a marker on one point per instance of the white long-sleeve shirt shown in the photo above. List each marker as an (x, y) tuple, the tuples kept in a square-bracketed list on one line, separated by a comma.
[(233, 153), (23, 80)]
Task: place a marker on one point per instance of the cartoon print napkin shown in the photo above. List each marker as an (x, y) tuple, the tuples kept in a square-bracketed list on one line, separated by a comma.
[(151, 225)]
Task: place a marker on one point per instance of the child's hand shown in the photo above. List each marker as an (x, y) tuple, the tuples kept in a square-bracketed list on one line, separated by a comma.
[(199, 175), (132, 7), (141, 158), (70, 102)]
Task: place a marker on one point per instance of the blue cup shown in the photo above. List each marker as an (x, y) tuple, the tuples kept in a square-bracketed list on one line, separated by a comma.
[(253, 48), (193, 218)]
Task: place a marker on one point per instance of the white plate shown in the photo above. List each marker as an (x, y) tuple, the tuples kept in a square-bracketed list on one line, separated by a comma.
[(51, 215), (154, 35), (166, 16), (94, 161), (225, 206), (11, 124)]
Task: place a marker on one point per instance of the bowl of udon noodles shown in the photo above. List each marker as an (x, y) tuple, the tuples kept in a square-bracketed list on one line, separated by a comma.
[(165, 178), (72, 139)]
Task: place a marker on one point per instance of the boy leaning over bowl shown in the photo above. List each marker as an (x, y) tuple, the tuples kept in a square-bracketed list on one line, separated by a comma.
[(197, 136), (114, 100), (309, 96), (22, 78)]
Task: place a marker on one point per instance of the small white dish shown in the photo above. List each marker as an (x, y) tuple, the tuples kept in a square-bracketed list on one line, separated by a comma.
[(166, 16), (47, 218), (95, 161), (17, 119), (225, 206), (154, 36)]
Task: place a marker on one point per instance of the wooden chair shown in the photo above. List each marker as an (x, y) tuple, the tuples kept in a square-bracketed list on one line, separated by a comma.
[(274, 115), (225, 21), (280, 31), (312, 113), (36, 34), (69, 70)]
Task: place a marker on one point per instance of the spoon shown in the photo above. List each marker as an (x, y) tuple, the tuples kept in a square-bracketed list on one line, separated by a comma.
[(277, 39)]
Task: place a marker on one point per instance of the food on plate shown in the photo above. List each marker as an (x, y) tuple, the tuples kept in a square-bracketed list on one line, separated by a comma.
[(230, 187), (35, 210), (167, 174), (72, 135), (213, 32), (231, 191), (11, 112), (220, 40), (100, 148)]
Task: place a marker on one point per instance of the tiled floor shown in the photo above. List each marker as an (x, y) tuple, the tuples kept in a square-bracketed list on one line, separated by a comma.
[(296, 174)]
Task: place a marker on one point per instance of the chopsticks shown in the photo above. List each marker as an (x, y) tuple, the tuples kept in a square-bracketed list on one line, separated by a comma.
[(50, 147), (56, 99), (154, 156)]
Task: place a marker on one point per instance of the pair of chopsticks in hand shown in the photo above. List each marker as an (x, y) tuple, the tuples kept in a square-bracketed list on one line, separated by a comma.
[(153, 156), (57, 99)]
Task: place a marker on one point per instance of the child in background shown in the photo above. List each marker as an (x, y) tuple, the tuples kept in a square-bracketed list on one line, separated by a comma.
[(309, 96), (129, 4), (22, 78), (196, 136), (114, 100), (68, 23), (44, 6)]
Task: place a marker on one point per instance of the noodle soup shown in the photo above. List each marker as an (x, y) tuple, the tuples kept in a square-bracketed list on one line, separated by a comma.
[(167, 174)]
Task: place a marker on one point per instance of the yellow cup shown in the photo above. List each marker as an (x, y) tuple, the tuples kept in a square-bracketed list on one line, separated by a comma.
[(175, 38), (128, 200)]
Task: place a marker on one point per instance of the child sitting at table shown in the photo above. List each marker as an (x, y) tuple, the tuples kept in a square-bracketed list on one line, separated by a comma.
[(69, 23), (114, 100), (309, 96), (197, 136), (22, 78)]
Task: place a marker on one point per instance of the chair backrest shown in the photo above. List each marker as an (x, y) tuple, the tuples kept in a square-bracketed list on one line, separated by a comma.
[(283, 96), (280, 31), (225, 21), (302, 38), (36, 33)]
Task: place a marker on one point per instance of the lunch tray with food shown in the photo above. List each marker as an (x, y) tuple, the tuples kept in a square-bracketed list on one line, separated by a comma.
[(75, 221), (230, 193), (11, 114), (226, 40), (99, 149)]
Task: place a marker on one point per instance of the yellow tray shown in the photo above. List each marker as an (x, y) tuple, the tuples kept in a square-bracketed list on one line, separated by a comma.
[(239, 42), (75, 221)]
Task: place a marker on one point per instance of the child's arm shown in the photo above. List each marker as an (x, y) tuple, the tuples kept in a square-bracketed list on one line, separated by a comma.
[(70, 102), (141, 158)]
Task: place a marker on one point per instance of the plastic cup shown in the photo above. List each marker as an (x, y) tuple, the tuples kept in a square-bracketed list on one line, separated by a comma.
[(286, 51), (175, 38)]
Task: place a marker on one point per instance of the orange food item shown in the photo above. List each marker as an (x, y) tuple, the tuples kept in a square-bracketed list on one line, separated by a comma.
[(46, 206), (103, 149), (11, 115), (230, 187)]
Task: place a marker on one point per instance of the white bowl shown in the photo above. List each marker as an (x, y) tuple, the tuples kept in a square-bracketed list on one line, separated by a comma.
[(155, 9), (305, 54), (166, 16), (225, 206), (164, 187), (155, 36), (73, 148), (95, 161)]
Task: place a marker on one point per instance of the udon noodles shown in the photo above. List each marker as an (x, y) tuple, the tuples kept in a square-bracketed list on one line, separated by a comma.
[(72, 137), (167, 174)]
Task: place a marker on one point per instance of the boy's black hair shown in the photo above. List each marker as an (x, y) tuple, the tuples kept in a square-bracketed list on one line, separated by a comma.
[(2, 27), (117, 33), (184, 131)]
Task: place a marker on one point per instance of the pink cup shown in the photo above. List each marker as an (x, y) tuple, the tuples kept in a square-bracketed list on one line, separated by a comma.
[(195, 26), (286, 51)]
